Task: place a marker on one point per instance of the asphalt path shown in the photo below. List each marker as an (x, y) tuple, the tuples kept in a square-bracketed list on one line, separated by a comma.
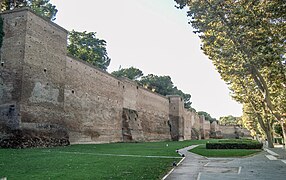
[(263, 166)]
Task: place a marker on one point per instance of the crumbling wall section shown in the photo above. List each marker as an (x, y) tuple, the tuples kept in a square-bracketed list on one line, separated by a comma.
[(215, 131), (153, 113), (188, 115), (207, 129), (228, 131)]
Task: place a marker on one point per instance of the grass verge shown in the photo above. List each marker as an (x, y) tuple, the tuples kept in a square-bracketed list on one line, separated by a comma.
[(89, 161), (201, 150)]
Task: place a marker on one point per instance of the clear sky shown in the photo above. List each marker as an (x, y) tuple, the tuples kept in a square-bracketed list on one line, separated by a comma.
[(155, 37)]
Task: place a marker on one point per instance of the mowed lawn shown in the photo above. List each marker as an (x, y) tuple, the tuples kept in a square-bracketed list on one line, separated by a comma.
[(92, 161)]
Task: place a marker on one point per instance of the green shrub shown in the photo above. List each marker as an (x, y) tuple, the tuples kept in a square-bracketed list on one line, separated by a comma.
[(235, 144)]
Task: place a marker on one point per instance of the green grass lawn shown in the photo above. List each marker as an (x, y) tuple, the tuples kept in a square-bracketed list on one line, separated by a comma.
[(88, 161), (201, 150)]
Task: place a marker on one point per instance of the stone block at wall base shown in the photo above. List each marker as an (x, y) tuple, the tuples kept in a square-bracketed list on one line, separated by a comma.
[(25, 138), (216, 135)]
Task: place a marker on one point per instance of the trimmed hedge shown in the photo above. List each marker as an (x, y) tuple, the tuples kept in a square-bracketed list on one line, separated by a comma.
[(235, 144)]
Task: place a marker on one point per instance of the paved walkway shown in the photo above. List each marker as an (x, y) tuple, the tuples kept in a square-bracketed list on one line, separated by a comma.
[(262, 166), (190, 167)]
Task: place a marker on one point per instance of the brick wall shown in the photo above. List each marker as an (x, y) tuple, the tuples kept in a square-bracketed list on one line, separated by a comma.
[(41, 88)]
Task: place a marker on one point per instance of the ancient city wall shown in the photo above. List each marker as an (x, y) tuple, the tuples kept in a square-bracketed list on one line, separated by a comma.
[(93, 103), (189, 118), (12, 58), (43, 89), (33, 55)]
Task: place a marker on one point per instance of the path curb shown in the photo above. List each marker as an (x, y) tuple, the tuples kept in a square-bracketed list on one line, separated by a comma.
[(173, 168)]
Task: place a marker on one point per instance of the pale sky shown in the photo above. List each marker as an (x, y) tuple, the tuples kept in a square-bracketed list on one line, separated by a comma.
[(155, 37)]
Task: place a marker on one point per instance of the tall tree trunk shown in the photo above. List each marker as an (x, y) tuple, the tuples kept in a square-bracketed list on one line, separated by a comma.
[(269, 139), (269, 135), (283, 126)]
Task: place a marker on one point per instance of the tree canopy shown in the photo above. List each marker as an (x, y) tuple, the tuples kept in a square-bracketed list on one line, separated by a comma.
[(160, 84), (246, 41), (87, 47), (41, 7), (131, 73), (164, 86), (230, 120)]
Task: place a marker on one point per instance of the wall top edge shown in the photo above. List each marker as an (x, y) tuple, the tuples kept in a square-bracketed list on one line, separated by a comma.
[(122, 80), (31, 11), (173, 96), (90, 65)]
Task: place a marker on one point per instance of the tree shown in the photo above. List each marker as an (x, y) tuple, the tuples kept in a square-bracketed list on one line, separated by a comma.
[(164, 86), (160, 84), (41, 7), (246, 40), (87, 47), (278, 129), (131, 73), (229, 120), (250, 122)]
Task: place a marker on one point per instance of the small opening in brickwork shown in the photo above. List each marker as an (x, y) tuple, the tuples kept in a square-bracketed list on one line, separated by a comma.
[(2, 64), (73, 91), (45, 70), (137, 87), (135, 119), (47, 83), (123, 87)]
